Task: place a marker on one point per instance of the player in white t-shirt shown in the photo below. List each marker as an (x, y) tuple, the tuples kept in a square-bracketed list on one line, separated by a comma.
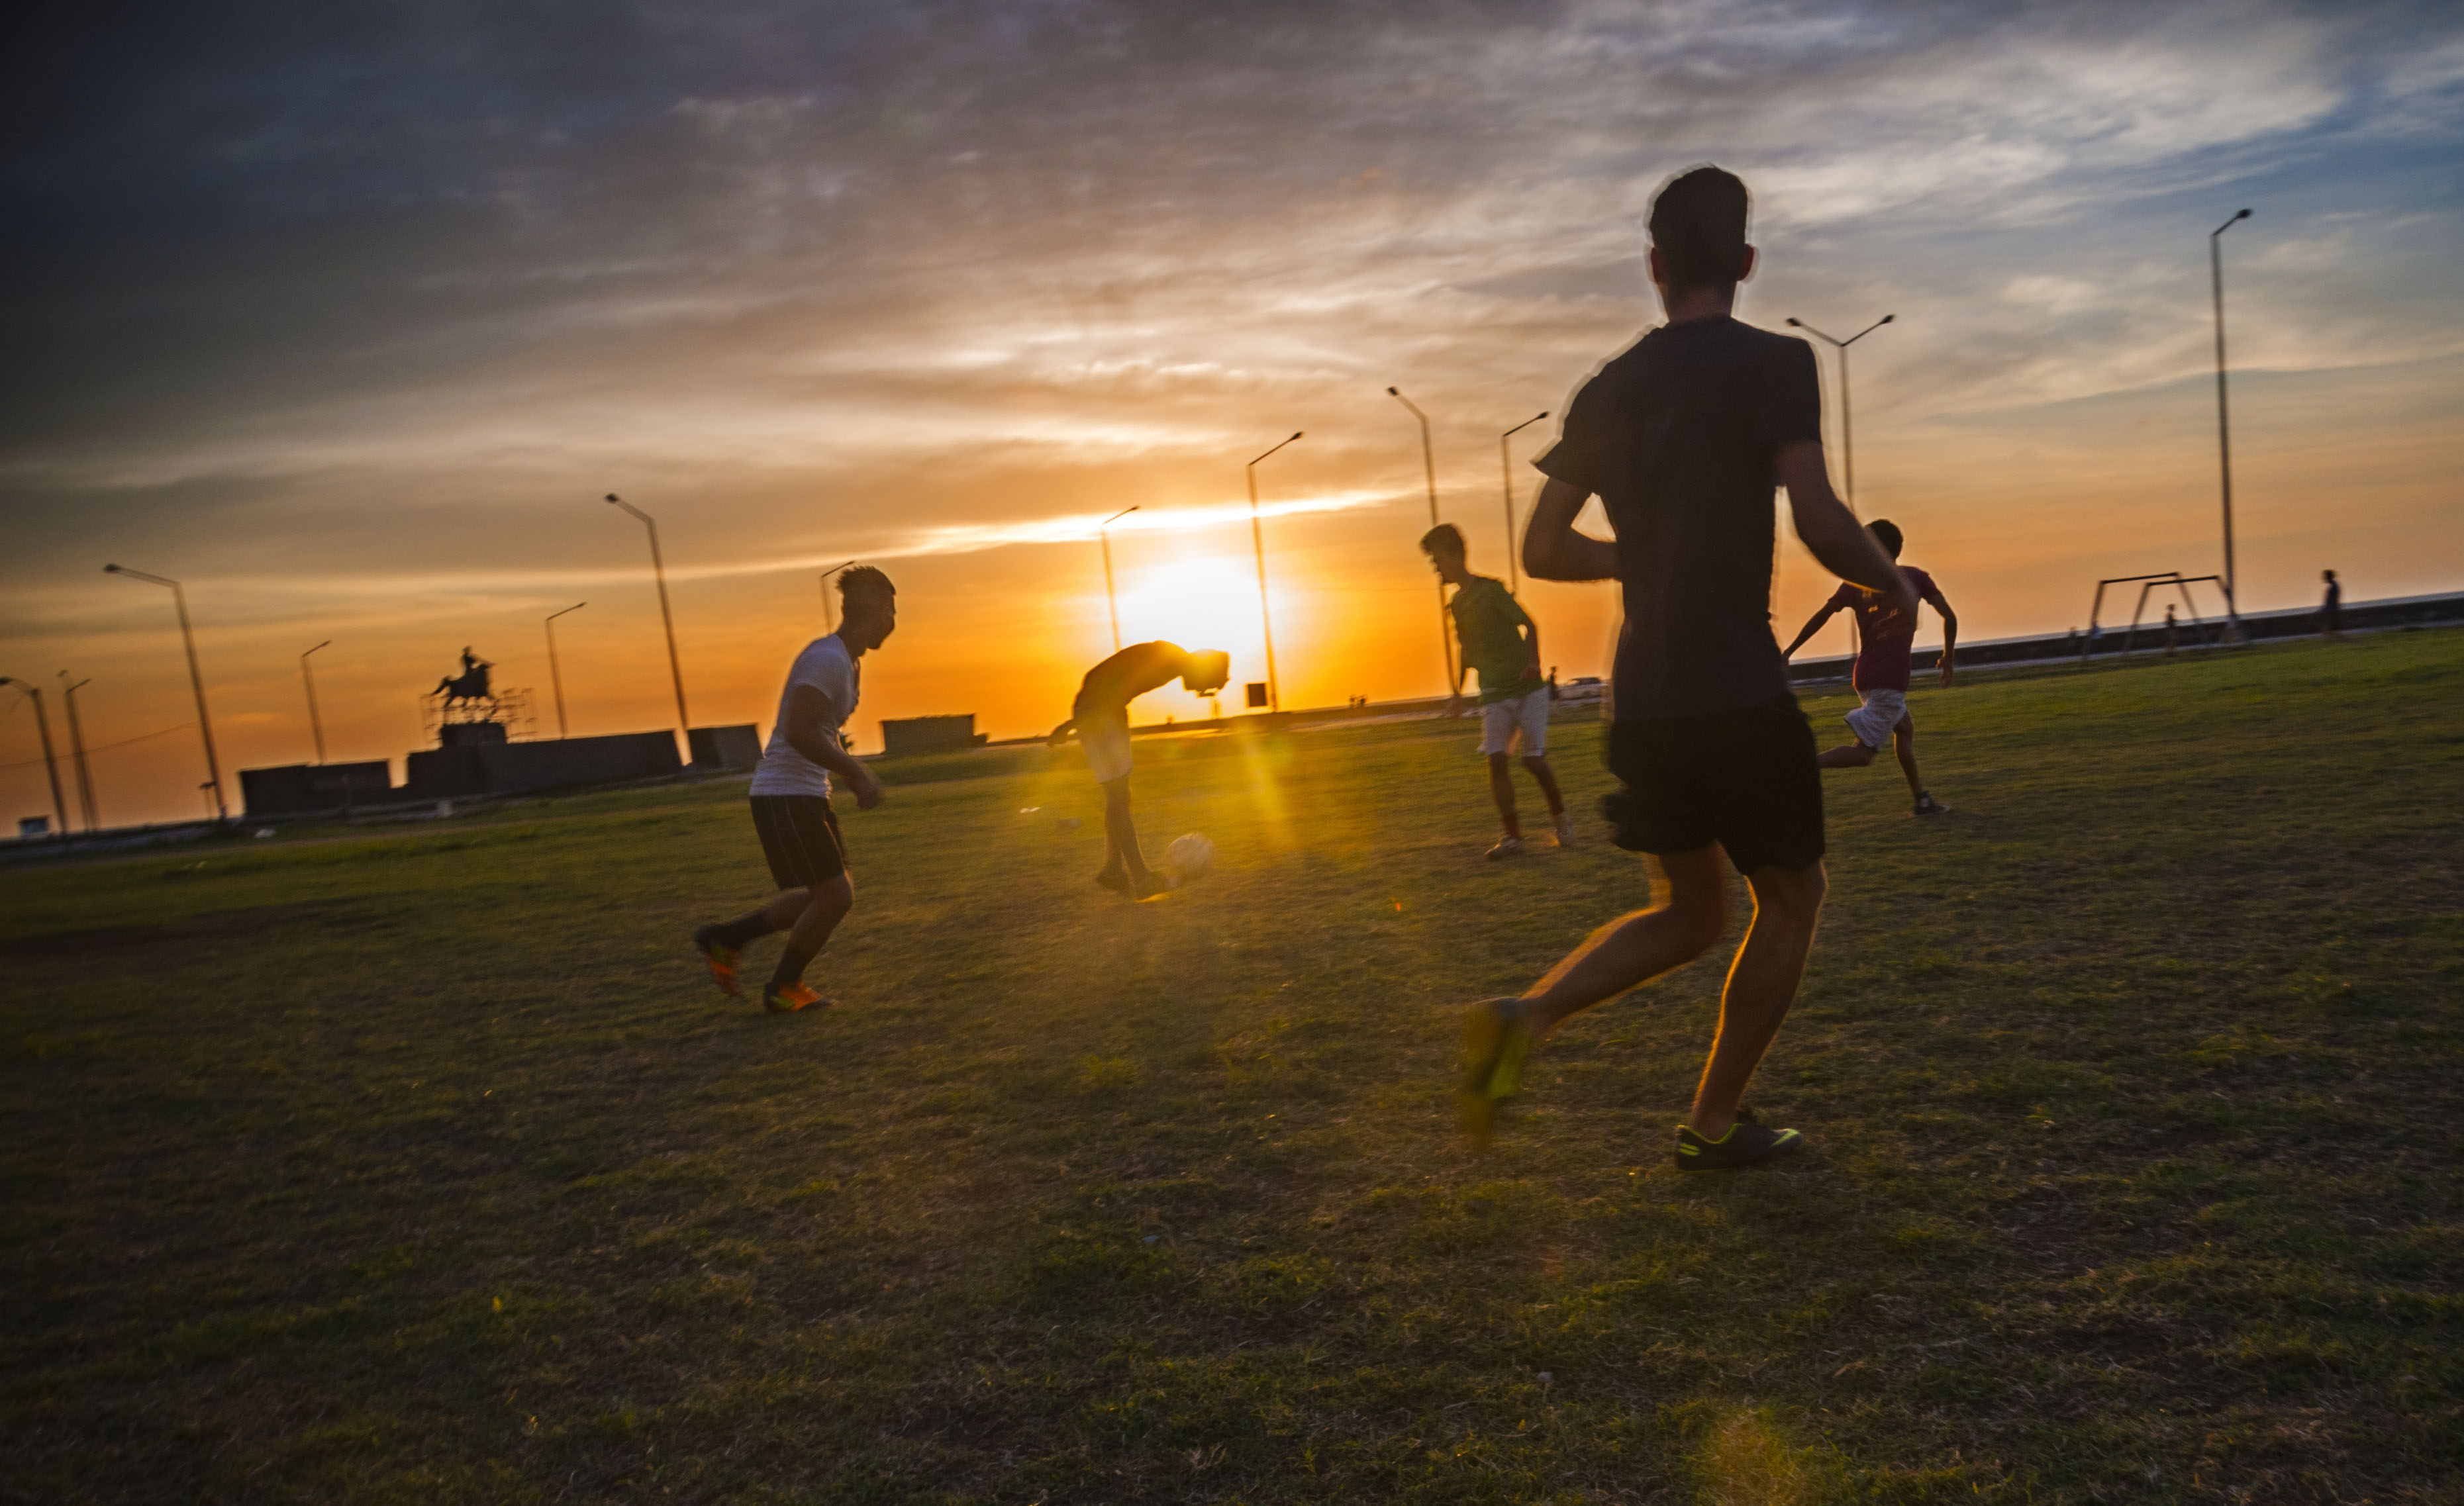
[(791, 799)]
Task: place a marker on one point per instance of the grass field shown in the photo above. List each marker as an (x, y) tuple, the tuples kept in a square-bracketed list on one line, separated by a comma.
[(426, 1166)]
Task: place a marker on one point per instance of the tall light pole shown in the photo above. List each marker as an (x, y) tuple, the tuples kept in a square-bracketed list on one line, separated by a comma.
[(1429, 464), (659, 571), (829, 614), (50, 765), (1108, 600), (1265, 617), (2223, 427), (1847, 427), (316, 723), (1505, 467), (77, 752), (555, 676), (196, 681)]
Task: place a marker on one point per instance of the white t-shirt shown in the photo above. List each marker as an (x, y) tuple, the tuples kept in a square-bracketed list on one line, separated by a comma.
[(828, 667)]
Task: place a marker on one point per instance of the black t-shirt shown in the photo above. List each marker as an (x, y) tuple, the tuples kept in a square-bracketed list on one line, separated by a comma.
[(1676, 437)]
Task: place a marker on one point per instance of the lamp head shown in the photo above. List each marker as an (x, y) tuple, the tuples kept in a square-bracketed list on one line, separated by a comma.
[(1296, 433), (611, 496), (1888, 317), (1394, 392), (1792, 324), (2243, 215), (111, 570)]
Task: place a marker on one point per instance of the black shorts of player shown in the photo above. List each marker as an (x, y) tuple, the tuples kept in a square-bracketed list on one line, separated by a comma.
[(1746, 779), (800, 835)]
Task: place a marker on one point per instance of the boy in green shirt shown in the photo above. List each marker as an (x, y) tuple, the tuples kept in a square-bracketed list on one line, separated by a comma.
[(1501, 641)]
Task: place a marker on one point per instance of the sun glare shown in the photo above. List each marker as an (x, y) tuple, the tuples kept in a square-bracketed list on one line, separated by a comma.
[(1197, 603)]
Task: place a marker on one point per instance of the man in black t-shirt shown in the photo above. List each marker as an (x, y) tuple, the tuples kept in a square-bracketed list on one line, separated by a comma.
[(1683, 438), (2331, 609)]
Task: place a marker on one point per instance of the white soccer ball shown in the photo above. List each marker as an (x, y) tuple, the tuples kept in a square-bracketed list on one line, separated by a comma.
[(1189, 855)]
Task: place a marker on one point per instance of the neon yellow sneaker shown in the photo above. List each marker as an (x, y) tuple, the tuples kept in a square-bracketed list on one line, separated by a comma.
[(1496, 1039), (1744, 1143), (722, 962), (792, 999)]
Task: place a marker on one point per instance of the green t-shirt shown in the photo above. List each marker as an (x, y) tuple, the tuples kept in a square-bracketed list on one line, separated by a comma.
[(1489, 621)]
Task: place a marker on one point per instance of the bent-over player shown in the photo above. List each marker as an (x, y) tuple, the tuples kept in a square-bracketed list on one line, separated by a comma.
[(1884, 639), (791, 799), (1100, 716), (1500, 640), (1683, 438)]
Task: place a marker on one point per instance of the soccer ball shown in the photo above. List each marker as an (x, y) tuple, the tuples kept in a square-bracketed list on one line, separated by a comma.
[(1189, 855)]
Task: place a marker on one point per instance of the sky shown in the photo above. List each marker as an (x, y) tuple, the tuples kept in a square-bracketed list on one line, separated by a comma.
[(348, 316)]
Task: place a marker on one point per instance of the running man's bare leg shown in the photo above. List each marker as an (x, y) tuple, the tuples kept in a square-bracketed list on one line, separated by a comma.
[(1121, 853), (1547, 778), (1640, 946), (1903, 742), (825, 904), (1847, 756), (1501, 789), (1761, 986)]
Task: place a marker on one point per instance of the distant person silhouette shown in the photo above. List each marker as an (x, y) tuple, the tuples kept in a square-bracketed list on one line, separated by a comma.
[(1500, 640), (1100, 716), (2331, 611), (791, 799), (2172, 632), (1885, 641), (1683, 438)]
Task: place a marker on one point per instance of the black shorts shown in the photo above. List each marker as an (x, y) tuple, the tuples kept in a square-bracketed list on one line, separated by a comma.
[(800, 835), (1746, 779)]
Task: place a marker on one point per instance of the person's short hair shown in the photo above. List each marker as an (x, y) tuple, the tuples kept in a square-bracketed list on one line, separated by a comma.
[(1888, 533), (1444, 538), (1697, 222), (864, 580), (1208, 667)]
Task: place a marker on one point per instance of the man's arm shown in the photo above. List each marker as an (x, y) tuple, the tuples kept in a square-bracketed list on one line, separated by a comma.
[(1554, 551), (1949, 627), (808, 733), (1813, 625), (1830, 533)]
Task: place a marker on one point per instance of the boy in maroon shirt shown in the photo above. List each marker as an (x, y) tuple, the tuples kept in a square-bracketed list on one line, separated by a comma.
[(1882, 674)]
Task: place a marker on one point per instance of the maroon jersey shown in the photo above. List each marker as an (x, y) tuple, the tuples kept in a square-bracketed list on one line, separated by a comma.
[(1882, 646)]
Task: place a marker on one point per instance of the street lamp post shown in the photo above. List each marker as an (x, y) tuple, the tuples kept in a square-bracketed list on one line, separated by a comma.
[(77, 752), (1847, 427), (1505, 467), (196, 682), (50, 764), (659, 572), (1109, 600), (829, 614), (1265, 617), (555, 676), (1429, 465), (2224, 428), (316, 723)]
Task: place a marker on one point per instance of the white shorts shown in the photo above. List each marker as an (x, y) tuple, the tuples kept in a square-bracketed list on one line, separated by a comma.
[(1527, 715), (1108, 748), (1873, 721)]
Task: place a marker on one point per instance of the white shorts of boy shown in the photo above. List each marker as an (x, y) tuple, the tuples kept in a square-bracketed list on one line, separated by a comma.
[(1527, 715), (1873, 721), (1108, 748)]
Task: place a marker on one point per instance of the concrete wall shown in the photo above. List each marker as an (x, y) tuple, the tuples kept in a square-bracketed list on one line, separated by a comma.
[(924, 735), (560, 763), (738, 747), (291, 789)]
